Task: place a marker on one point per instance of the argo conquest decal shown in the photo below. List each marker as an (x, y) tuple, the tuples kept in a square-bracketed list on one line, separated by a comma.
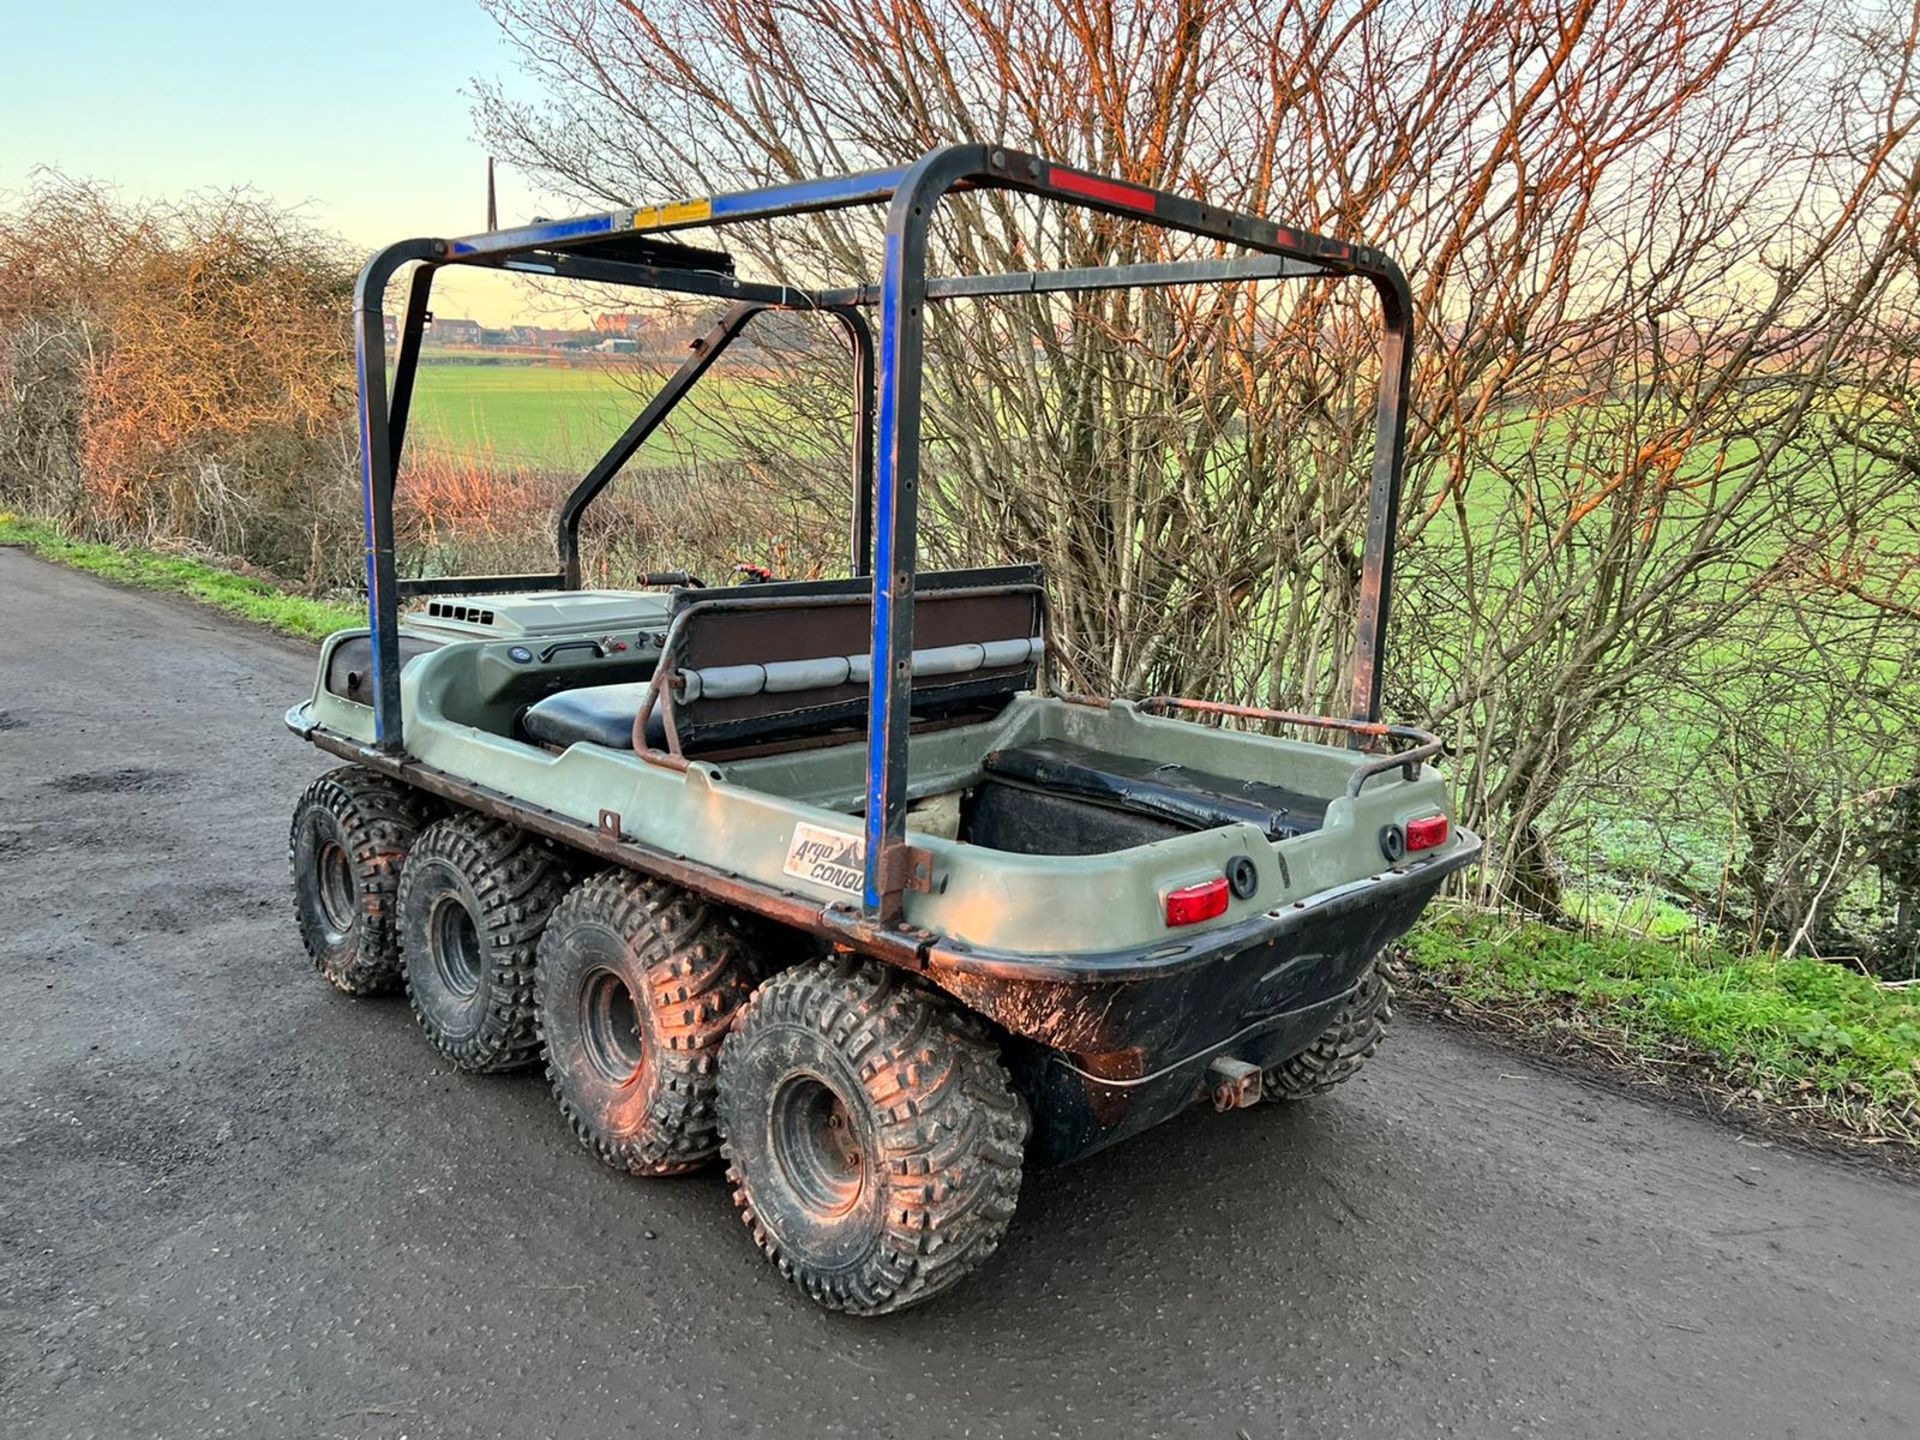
[(827, 857)]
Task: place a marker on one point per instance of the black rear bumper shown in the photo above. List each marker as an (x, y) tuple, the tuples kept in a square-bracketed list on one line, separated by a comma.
[(1108, 1045), (1102, 1045)]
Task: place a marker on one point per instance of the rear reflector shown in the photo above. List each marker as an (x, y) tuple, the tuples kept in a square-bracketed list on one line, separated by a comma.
[(1427, 833), (1191, 904)]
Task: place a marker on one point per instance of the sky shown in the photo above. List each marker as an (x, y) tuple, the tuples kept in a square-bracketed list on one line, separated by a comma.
[(357, 113)]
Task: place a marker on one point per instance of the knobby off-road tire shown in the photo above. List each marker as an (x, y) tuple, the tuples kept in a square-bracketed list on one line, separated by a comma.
[(474, 896), (637, 985), (873, 1141), (1343, 1047), (351, 833)]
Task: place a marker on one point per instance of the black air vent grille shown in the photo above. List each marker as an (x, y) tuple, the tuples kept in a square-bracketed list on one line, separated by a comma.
[(451, 610)]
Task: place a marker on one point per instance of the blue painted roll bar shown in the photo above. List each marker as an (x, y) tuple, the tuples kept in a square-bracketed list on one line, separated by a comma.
[(618, 247)]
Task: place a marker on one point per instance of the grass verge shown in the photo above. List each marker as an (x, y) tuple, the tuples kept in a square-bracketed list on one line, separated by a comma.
[(1813, 1046), (241, 595)]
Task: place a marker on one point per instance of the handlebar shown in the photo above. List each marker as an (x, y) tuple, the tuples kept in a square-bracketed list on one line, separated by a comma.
[(546, 655), (743, 574)]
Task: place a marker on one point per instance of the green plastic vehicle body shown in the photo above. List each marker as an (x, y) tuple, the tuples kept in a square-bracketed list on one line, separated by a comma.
[(1144, 910)]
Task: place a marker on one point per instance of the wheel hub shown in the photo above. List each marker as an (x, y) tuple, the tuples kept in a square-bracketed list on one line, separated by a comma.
[(817, 1146), (456, 947), (610, 1025), (335, 888)]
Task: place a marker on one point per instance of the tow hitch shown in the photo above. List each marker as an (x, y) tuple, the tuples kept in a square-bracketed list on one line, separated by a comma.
[(1236, 1084)]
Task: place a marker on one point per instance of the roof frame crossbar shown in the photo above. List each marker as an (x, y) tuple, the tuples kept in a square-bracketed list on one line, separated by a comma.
[(565, 265), (911, 194), (1095, 277), (706, 350), (837, 192), (659, 253)]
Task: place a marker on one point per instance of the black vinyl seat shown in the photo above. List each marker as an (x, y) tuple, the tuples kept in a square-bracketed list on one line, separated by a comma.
[(598, 714), (1193, 799), (603, 715), (769, 664)]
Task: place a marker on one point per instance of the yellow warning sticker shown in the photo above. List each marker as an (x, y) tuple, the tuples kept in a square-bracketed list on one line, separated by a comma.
[(682, 212)]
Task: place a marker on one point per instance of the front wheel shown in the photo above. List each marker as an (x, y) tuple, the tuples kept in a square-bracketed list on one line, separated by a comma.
[(872, 1138), (351, 833)]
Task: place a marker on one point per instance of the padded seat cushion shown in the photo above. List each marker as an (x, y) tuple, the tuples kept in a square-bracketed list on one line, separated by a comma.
[(600, 714), (1187, 797), (775, 663)]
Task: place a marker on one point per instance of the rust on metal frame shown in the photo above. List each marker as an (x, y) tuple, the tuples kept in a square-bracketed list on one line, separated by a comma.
[(1425, 744), (1366, 648), (896, 945), (1370, 729), (907, 867), (658, 694)]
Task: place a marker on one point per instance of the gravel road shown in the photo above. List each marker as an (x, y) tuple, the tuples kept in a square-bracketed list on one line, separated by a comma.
[(234, 1203)]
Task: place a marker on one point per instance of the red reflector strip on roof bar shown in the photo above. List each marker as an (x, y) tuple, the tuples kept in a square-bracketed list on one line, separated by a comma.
[(1427, 833), (1107, 192), (1191, 904)]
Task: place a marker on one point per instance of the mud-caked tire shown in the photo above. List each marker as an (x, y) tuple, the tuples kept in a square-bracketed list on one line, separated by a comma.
[(873, 1141), (474, 896), (1339, 1051), (637, 985), (351, 833)]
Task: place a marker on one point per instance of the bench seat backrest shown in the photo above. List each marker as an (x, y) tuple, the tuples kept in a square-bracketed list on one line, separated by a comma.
[(790, 659)]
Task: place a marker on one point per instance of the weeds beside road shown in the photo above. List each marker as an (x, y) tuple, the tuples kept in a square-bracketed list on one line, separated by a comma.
[(240, 595), (1808, 1043)]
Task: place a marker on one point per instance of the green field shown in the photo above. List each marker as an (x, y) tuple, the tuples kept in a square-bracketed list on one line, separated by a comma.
[(551, 417)]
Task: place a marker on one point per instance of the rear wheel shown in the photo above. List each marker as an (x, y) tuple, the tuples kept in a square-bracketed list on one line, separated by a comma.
[(351, 833), (1343, 1047), (474, 897), (872, 1138), (637, 983)]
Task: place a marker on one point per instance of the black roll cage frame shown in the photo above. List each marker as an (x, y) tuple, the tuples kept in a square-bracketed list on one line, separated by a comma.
[(621, 247)]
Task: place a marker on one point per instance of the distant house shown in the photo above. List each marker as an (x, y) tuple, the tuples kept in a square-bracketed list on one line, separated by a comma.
[(629, 323), (454, 332), (549, 336)]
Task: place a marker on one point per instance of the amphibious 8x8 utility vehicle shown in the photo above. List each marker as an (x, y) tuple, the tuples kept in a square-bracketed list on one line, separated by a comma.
[(826, 877)]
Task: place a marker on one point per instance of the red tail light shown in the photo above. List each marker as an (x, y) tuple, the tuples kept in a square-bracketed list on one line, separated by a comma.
[(1427, 833), (1191, 904)]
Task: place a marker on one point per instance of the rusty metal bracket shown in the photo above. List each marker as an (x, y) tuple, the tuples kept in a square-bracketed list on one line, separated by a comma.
[(906, 867), (610, 825), (1368, 735), (919, 870)]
